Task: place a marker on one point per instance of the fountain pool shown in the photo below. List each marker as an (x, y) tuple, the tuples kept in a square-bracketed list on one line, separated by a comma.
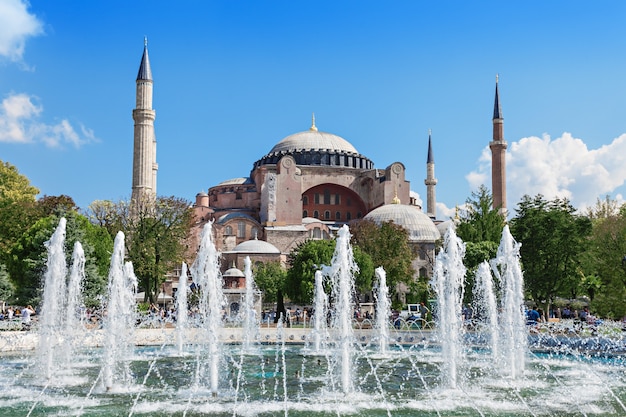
[(339, 368), (288, 379)]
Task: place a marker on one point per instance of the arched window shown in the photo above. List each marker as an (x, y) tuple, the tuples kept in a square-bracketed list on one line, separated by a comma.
[(317, 233), (305, 201), (337, 216), (316, 214), (228, 231), (241, 229), (348, 216), (327, 215), (358, 215), (305, 214)]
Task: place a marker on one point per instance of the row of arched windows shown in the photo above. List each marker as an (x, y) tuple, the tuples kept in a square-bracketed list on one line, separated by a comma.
[(327, 215)]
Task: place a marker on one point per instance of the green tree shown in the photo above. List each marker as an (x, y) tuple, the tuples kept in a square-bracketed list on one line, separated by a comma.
[(480, 222), (480, 227), (17, 207), (553, 238), (6, 286), (605, 265), (308, 257), (270, 278), (388, 246), (28, 257), (156, 232)]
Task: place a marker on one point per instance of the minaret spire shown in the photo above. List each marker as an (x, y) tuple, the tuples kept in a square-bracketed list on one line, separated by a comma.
[(498, 156), (313, 128), (430, 181), (144, 149)]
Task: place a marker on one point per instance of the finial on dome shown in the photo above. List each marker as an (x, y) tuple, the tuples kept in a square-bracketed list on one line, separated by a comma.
[(395, 200), (313, 127)]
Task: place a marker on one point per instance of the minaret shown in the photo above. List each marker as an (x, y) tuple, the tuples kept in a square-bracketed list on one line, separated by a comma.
[(430, 181), (144, 151), (498, 157)]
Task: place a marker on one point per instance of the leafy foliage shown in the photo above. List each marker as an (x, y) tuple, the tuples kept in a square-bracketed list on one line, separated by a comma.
[(29, 255), (605, 265), (388, 246), (553, 238), (155, 235), (270, 278), (17, 207), (308, 257)]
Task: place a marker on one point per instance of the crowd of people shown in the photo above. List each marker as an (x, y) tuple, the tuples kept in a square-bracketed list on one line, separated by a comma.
[(16, 314)]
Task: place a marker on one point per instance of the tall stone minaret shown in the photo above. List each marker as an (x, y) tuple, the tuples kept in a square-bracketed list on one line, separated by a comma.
[(498, 157), (430, 181), (144, 150)]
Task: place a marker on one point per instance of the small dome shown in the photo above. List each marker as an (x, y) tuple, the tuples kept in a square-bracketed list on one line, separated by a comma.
[(312, 140), (444, 226), (420, 227), (256, 246), (233, 273)]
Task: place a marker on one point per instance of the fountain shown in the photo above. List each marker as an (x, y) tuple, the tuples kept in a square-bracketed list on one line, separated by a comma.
[(562, 374), (181, 309), (250, 318), (320, 300), (383, 311)]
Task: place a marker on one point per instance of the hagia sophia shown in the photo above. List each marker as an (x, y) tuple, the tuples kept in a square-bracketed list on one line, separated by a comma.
[(307, 186)]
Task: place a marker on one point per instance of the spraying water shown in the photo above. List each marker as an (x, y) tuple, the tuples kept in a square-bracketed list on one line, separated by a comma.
[(485, 301), (181, 309), (506, 267), (119, 319), (52, 310), (342, 272), (250, 319), (321, 310), (448, 284), (206, 275), (383, 310)]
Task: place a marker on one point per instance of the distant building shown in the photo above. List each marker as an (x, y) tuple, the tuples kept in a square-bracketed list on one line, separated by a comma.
[(308, 185)]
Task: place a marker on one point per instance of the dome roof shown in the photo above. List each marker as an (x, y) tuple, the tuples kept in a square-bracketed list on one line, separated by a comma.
[(313, 147), (420, 227), (255, 246), (233, 273), (312, 140)]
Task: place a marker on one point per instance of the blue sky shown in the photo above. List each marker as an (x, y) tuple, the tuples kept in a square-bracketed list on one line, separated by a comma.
[(232, 78)]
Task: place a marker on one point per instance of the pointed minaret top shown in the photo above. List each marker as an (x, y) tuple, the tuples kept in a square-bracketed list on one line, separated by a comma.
[(145, 73), (430, 158), (313, 127), (497, 111)]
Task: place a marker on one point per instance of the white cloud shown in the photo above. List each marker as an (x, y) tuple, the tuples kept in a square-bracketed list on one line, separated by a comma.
[(16, 25), (563, 167), (19, 123)]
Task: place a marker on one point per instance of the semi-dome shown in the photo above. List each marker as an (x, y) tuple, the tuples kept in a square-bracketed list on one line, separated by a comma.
[(419, 226), (255, 246)]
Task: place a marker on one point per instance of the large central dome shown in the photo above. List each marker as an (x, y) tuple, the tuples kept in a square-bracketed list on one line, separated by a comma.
[(314, 140), (313, 147)]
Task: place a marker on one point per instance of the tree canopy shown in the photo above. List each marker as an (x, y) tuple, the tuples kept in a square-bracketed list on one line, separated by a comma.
[(553, 237), (388, 246), (308, 257), (155, 235)]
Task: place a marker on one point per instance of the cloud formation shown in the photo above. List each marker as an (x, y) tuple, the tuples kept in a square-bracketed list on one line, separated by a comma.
[(16, 25), (563, 167), (19, 123)]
